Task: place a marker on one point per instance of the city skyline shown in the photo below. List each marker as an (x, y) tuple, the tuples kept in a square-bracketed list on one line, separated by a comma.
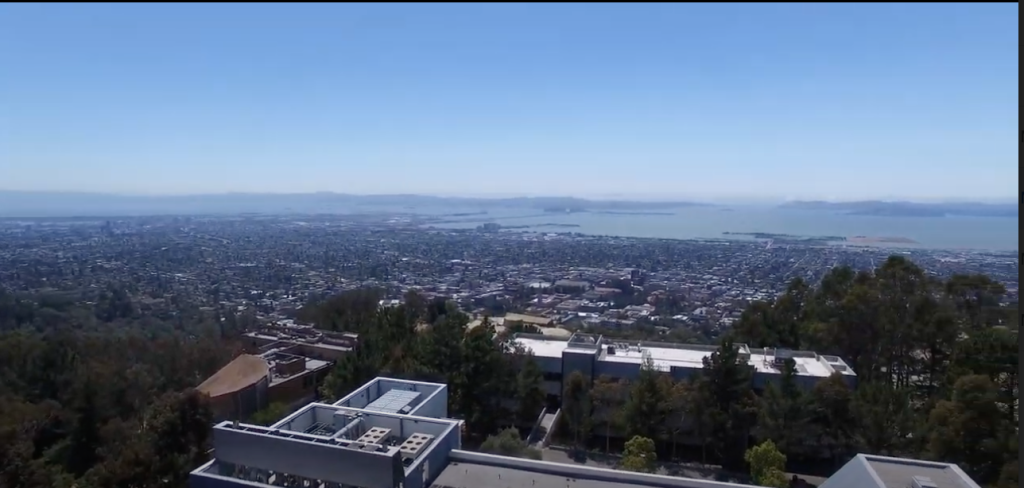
[(693, 102)]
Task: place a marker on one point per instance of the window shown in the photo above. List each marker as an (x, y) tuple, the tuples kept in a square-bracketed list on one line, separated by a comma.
[(553, 377)]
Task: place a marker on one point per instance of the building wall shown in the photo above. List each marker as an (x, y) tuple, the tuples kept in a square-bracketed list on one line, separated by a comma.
[(761, 380), (306, 459), (435, 406), (242, 403), (426, 469), (578, 360), (617, 370), (294, 389), (548, 364)]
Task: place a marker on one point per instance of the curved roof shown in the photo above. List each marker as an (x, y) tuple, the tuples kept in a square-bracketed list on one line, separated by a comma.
[(243, 371)]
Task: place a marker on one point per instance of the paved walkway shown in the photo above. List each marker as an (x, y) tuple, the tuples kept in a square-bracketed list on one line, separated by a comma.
[(546, 424)]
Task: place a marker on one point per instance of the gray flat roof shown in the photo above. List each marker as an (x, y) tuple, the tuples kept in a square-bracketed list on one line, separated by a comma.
[(898, 472), (461, 474), (466, 475)]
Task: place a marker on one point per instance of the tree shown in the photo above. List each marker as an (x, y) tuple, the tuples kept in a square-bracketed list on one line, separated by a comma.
[(639, 455), (576, 407), (608, 397), (529, 390), (993, 352), (484, 380), (783, 416), (268, 416), (645, 410), (509, 443), (698, 409), (832, 417), (885, 419), (731, 408), (969, 429), (676, 417), (767, 465), (975, 296), (85, 435)]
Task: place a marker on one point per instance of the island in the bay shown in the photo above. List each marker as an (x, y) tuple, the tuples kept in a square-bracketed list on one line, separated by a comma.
[(822, 240)]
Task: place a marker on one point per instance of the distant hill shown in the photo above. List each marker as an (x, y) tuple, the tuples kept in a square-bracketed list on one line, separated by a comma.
[(71, 204), (909, 209)]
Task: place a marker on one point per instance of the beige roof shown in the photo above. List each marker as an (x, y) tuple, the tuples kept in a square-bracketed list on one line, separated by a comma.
[(527, 319), (243, 371)]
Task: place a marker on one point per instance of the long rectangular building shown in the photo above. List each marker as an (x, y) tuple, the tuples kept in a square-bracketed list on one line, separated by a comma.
[(595, 356)]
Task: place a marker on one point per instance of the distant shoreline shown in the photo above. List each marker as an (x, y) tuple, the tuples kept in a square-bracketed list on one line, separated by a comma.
[(824, 239)]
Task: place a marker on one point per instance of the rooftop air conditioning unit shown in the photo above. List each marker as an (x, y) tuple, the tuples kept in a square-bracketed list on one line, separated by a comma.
[(376, 435), (415, 445)]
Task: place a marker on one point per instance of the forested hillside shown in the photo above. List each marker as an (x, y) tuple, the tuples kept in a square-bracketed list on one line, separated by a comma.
[(93, 393)]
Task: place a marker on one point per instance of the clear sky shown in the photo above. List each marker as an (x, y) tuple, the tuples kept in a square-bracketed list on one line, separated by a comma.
[(834, 101)]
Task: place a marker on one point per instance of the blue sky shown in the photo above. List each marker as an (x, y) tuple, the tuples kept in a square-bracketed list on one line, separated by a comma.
[(833, 101)]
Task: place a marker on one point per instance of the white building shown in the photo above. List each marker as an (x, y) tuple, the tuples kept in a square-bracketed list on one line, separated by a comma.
[(595, 356)]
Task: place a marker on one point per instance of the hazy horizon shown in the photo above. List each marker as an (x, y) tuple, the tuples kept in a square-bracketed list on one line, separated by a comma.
[(755, 103), (724, 200)]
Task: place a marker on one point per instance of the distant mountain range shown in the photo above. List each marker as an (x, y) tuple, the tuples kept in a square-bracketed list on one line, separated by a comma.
[(909, 209), (71, 204)]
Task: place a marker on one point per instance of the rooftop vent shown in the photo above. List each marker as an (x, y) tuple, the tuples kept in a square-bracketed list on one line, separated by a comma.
[(923, 482), (415, 445), (376, 435)]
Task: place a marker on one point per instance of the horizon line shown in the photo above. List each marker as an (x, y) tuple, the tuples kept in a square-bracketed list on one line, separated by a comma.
[(656, 198)]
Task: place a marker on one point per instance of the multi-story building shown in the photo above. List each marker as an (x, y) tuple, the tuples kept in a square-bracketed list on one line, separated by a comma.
[(250, 383), (595, 356), (303, 340), (394, 434)]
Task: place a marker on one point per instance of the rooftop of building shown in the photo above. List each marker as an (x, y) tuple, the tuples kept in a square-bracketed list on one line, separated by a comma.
[(666, 355), (300, 334), (888, 472), (476, 470), (527, 319), (376, 427), (389, 395), (241, 372), (248, 369)]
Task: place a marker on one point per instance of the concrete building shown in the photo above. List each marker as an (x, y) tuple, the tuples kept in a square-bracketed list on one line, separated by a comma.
[(250, 383), (393, 434), (594, 356), (303, 340)]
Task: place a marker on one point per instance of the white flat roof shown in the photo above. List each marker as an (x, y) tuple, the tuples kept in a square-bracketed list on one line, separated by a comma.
[(543, 348), (666, 357)]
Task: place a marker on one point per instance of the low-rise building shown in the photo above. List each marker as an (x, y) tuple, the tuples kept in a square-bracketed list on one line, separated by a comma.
[(595, 356), (250, 383)]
